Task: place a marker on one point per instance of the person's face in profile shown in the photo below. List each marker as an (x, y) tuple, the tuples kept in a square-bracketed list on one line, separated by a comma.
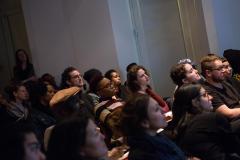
[(32, 148), (95, 146)]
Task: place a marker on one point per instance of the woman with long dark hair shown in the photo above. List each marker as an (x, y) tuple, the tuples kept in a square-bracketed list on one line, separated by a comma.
[(23, 70), (76, 139), (202, 133), (141, 118)]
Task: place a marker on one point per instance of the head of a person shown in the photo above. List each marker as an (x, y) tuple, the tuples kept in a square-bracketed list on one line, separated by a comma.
[(44, 92), (48, 79), (192, 98), (138, 78), (76, 139), (141, 114), (90, 74), (103, 87), (227, 68), (18, 92), (21, 56), (129, 67), (184, 73), (114, 77), (19, 142), (212, 68), (71, 77)]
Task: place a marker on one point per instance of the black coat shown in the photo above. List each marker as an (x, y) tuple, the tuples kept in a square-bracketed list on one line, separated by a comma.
[(159, 147)]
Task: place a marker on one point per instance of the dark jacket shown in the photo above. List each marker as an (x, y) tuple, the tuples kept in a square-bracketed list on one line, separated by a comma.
[(209, 137), (159, 147)]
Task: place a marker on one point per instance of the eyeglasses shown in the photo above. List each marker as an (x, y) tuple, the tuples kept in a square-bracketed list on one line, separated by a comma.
[(218, 69), (35, 146), (108, 85), (76, 76)]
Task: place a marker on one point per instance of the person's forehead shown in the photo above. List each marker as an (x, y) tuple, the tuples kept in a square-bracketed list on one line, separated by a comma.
[(188, 67), (226, 63), (217, 63), (75, 72)]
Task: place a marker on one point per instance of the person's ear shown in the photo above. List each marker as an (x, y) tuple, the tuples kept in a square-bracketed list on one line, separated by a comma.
[(195, 102), (208, 73), (68, 82), (145, 124), (185, 81), (15, 94)]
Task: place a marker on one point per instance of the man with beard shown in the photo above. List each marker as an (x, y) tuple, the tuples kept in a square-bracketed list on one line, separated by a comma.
[(226, 99)]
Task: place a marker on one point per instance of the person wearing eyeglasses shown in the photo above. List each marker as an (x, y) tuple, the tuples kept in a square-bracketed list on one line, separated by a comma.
[(200, 132), (226, 99), (71, 99), (228, 72)]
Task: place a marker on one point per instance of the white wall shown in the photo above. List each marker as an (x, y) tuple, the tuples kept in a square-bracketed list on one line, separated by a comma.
[(123, 34), (79, 33), (223, 24)]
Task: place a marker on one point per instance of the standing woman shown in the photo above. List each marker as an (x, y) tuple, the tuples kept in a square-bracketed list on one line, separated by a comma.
[(201, 133), (138, 81), (23, 70), (140, 120)]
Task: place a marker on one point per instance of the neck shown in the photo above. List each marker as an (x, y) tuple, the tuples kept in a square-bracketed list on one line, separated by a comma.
[(18, 101), (143, 89)]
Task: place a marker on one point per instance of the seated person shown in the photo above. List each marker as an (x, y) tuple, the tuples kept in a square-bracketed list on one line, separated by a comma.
[(89, 76), (77, 139), (18, 108), (41, 114), (115, 79), (107, 112), (138, 81), (228, 75), (226, 99), (19, 142), (141, 118), (71, 97), (202, 133), (184, 73)]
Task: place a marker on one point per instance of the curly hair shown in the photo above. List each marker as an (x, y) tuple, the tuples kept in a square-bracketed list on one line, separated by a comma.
[(132, 75), (66, 76)]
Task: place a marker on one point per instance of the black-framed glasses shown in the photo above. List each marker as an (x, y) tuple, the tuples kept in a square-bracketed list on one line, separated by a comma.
[(220, 68), (76, 76)]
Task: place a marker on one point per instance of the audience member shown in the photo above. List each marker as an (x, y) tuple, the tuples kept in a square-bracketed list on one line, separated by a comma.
[(23, 70), (138, 81), (184, 73), (19, 142), (71, 100), (76, 139), (202, 133), (18, 108), (42, 116), (108, 110), (228, 75), (89, 76), (49, 79), (226, 100), (115, 79), (141, 117)]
